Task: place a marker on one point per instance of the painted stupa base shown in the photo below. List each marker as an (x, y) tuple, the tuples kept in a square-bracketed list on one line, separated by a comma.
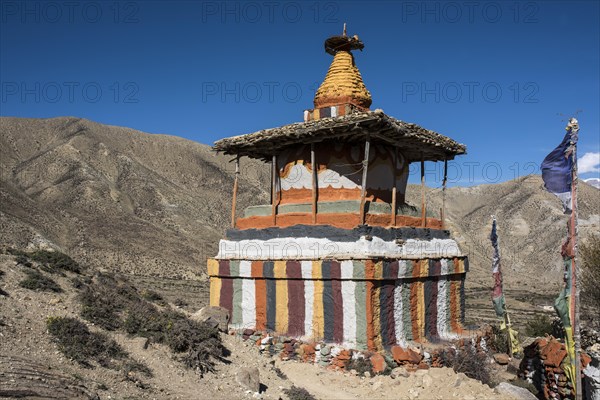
[(369, 303)]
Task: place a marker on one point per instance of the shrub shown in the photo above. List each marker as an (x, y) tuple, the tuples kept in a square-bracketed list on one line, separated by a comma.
[(151, 295), (469, 361), (76, 342), (35, 280), (298, 393), (360, 365), (539, 326), (499, 340), (55, 260)]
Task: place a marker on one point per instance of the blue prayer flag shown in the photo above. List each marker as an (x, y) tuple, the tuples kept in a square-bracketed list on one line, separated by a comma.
[(557, 167)]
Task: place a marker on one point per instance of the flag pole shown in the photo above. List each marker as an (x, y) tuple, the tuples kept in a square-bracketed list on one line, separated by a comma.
[(575, 275)]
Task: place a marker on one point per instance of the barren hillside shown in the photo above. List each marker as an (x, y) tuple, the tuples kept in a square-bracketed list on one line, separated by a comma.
[(155, 206)]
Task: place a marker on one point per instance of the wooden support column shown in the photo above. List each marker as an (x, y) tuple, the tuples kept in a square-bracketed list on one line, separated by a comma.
[(444, 193), (394, 188), (314, 182), (423, 207), (274, 190), (235, 190), (363, 189)]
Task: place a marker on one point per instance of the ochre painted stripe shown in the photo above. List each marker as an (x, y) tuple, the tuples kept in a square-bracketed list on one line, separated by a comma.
[(338, 302), (318, 318), (215, 290), (375, 295), (282, 317), (212, 267)]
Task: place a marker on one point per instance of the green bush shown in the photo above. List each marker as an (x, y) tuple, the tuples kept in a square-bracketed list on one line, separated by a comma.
[(469, 361), (539, 326), (35, 280), (76, 342), (298, 393)]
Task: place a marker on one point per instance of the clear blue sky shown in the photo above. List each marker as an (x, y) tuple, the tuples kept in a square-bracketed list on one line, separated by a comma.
[(500, 76)]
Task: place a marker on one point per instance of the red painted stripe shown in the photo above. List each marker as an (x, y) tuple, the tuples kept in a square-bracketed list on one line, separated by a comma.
[(261, 295), (226, 299), (295, 298), (369, 272), (338, 303)]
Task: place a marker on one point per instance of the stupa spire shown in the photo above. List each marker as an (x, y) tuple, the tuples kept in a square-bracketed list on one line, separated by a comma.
[(343, 83)]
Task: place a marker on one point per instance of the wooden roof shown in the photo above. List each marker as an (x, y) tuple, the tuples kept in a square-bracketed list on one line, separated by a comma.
[(414, 142)]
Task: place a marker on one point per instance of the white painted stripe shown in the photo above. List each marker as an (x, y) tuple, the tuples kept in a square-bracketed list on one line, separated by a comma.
[(309, 296), (246, 268), (402, 264), (306, 267), (306, 248), (442, 312), (347, 267), (444, 269), (398, 310), (349, 304), (248, 303)]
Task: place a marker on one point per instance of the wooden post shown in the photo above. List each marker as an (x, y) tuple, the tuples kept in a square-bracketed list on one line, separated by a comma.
[(575, 275), (444, 193), (235, 190), (423, 210), (274, 190), (314, 182), (363, 190), (394, 188)]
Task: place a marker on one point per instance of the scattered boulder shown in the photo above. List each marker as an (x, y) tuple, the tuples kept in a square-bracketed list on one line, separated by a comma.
[(249, 377), (378, 363), (402, 355), (505, 388), (217, 316), (501, 358), (399, 372)]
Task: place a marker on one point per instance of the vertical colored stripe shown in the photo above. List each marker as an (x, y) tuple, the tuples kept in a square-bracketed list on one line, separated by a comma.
[(226, 298), (376, 303), (441, 308), (386, 299), (212, 267), (328, 312), (318, 319), (453, 305), (281, 298), (261, 295), (407, 314), (309, 296), (398, 310), (369, 304), (268, 272), (360, 294), (414, 310), (248, 303), (295, 298), (245, 269), (338, 302), (462, 301), (236, 312), (215, 291), (402, 268), (421, 301)]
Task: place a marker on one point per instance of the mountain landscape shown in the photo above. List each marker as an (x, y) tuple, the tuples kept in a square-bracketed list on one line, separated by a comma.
[(153, 207)]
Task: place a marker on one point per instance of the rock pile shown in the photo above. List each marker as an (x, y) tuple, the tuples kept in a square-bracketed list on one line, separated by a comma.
[(543, 365)]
